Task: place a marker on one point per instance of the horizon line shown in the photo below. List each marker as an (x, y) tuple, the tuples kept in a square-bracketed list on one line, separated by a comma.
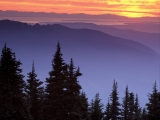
[(80, 14)]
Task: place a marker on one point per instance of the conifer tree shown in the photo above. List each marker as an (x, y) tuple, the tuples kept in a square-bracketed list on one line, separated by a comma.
[(56, 102), (137, 109), (73, 92), (107, 111), (34, 90), (131, 106), (115, 110), (91, 109), (153, 105), (42, 97), (144, 114), (84, 106), (158, 106), (13, 105), (95, 109), (125, 105)]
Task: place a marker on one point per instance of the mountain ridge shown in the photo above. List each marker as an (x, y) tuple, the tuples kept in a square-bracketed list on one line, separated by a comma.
[(19, 25), (151, 40)]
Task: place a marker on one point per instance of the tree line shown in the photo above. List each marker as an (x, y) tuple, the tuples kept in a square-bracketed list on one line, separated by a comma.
[(62, 97)]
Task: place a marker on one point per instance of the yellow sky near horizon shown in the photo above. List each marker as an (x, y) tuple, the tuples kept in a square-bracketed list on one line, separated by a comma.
[(129, 8)]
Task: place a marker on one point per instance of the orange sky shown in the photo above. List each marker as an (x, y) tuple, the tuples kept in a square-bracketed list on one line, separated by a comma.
[(129, 8)]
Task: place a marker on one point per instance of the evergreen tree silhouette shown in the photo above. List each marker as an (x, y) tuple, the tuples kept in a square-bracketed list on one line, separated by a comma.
[(96, 109), (115, 110), (33, 90), (13, 105), (158, 106), (55, 101), (125, 105), (131, 105), (153, 105), (73, 92), (137, 109), (90, 109), (84, 106), (144, 114), (108, 111)]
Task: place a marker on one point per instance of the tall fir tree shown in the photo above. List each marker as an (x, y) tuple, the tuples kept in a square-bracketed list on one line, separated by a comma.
[(84, 106), (33, 90), (90, 109), (56, 102), (13, 105), (153, 105), (158, 106), (42, 97), (144, 114), (96, 109), (125, 105), (137, 109), (131, 105), (73, 92), (115, 110), (107, 112)]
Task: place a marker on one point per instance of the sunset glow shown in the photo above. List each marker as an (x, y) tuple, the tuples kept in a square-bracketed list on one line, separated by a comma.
[(129, 8)]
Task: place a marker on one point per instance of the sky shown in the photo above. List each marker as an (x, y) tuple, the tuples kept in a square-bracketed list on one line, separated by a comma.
[(129, 8)]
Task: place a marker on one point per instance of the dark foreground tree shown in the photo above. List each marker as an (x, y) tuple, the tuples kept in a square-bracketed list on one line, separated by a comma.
[(34, 90), (84, 106), (62, 99), (13, 105), (137, 109), (55, 102), (131, 106), (107, 113), (115, 110), (73, 93), (153, 106), (158, 106), (125, 105), (95, 109), (144, 114)]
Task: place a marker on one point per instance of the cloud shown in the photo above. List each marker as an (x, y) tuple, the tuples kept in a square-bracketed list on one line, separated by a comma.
[(133, 8)]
